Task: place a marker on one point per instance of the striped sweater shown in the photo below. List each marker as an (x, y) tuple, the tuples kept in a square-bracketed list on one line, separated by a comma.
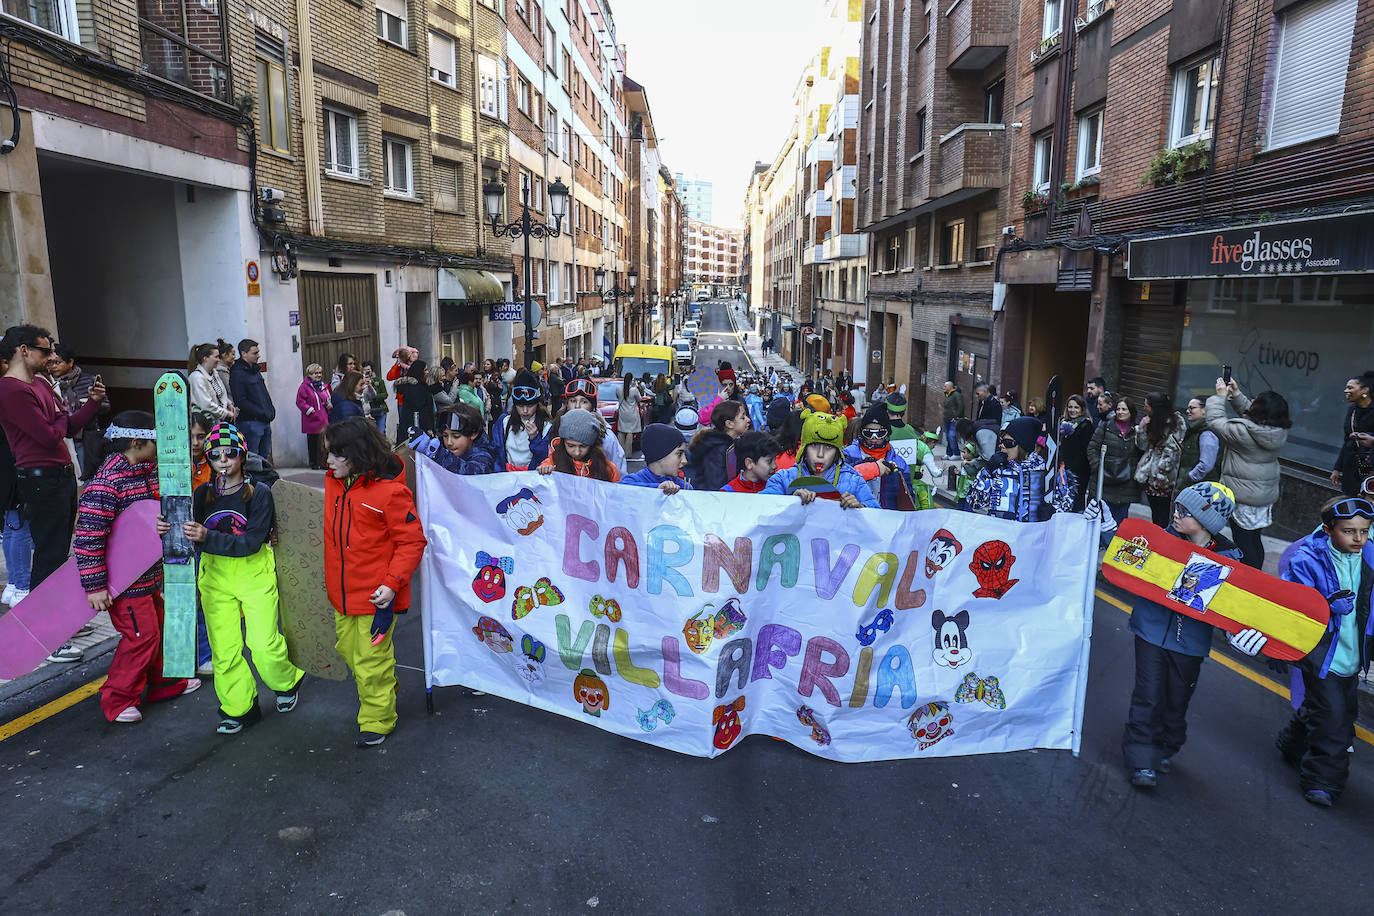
[(115, 487)]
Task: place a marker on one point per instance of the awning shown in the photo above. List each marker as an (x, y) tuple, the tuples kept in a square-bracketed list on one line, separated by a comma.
[(788, 326), (812, 338), (476, 286)]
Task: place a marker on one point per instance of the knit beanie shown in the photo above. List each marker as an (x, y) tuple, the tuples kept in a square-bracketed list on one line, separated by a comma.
[(1025, 430), (225, 435), (581, 426), (1210, 503), (658, 441), (686, 420), (876, 413), (525, 379), (896, 403), (821, 427), (724, 374), (778, 412)]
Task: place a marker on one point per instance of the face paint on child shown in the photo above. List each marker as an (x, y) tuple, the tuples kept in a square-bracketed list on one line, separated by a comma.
[(339, 466)]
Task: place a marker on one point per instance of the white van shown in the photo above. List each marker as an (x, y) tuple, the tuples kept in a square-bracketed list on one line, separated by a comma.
[(682, 347)]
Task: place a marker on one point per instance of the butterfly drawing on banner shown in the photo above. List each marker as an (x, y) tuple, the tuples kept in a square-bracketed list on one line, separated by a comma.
[(986, 689), (528, 598)]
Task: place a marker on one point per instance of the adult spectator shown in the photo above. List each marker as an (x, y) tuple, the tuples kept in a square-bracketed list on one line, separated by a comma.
[(1117, 433), (74, 387), (557, 386), (1159, 436), (346, 400), (226, 364), (374, 400), (1198, 453), (1250, 466), (418, 410), (951, 410), (1075, 432), (470, 392), (256, 410), (1011, 407), (207, 393), (1097, 386), (15, 539), (346, 363), (989, 407), (1355, 461), (313, 401), (1106, 402), (627, 422), (443, 384), (35, 423)]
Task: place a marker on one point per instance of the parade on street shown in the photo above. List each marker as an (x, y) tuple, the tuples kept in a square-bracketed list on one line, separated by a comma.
[(926, 463)]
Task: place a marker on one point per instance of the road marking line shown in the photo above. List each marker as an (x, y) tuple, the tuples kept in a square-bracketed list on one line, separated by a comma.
[(1267, 683), (48, 710)]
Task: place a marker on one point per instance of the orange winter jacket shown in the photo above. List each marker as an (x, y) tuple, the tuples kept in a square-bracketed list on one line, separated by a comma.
[(372, 537)]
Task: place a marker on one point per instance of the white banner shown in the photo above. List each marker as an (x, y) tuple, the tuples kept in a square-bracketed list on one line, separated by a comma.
[(692, 620)]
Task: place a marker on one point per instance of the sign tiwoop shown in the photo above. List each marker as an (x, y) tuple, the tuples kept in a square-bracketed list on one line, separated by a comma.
[(687, 623)]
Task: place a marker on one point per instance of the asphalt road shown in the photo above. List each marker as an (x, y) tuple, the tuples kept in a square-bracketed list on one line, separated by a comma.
[(492, 807)]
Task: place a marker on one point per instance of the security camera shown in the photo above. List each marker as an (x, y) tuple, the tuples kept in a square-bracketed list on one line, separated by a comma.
[(1008, 230), (271, 195)]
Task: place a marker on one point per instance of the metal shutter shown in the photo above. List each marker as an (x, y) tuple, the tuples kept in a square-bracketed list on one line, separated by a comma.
[(1149, 348), (1309, 81)]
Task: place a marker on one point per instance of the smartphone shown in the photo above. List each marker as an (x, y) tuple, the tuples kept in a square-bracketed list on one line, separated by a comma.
[(1226, 374)]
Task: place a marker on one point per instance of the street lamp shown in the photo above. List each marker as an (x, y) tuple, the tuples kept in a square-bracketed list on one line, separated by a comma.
[(494, 195), (615, 292)]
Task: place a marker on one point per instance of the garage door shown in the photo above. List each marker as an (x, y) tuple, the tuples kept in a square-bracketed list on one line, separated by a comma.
[(338, 315)]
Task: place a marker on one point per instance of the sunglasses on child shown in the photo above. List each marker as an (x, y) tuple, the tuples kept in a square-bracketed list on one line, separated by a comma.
[(1181, 512), (1007, 442), (215, 454), (1349, 508)]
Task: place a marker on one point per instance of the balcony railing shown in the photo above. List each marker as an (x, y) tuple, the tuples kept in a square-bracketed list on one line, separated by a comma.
[(979, 31), (971, 156)]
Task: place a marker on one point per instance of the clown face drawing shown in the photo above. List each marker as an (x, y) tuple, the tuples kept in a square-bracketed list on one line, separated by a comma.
[(931, 723), (591, 692), (991, 565), (944, 547)]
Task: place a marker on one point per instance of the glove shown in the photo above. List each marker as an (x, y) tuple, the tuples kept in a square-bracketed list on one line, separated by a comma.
[(381, 622), (1342, 603), (997, 461), (1248, 641), (1095, 510)]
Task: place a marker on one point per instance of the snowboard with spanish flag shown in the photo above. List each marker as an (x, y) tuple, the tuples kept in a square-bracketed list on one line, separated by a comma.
[(1150, 562)]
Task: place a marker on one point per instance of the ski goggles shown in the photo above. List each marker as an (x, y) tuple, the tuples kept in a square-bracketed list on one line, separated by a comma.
[(524, 394), (461, 425), (875, 435), (215, 454), (581, 388), (1349, 508)]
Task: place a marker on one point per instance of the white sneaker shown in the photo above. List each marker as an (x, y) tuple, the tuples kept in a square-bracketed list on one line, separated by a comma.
[(129, 716), (19, 595), (206, 669), (8, 596)]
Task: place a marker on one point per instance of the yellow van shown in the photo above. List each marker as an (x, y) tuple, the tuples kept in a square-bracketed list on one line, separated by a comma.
[(637, 359)]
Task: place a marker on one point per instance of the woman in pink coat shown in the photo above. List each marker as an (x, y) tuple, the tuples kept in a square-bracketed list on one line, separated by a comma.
[(312, 400)]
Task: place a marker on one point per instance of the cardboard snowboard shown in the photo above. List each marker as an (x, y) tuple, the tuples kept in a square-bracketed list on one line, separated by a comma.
[(818, 485), (1149, 562), (57, 607), (307, 618), (172, 409)]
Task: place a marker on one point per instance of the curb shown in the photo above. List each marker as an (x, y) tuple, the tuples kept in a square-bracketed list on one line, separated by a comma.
[(51, 671)]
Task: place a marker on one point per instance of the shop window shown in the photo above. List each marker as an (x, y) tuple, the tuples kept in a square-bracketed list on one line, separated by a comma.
[(1090, 143), (398, 172), (181, 41), (1195, 102), (952, 242), (1044, 160), (443, 55), (341, 144), (274, 116), (391, 22), (1310, 71)]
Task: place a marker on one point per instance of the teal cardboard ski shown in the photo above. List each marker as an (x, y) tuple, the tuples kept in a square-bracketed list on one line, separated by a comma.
[(171, 405)]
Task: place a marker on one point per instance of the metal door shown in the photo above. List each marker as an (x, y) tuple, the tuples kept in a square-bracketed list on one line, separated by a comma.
[(338, 315)]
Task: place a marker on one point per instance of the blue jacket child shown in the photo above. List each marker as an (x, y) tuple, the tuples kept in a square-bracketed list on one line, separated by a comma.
[(822, 429)]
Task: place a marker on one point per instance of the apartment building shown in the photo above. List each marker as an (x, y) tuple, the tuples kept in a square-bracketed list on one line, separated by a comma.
[(696, 196), (713, 258), (649, 185), (933, 190), (1198, 188)]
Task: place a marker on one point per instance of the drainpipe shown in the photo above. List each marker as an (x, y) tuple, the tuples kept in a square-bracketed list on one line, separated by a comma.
[(310, 129)]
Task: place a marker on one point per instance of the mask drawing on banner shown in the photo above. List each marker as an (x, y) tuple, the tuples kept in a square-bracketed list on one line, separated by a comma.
[(951, 638), (496, 637), (547, 593), (523, 602), (698, 631), (991, 565), (728, 725), (729, 620), (490, 583), (529, 664), (931, 723), (521, 512), (591, 692), (985, 689), (648, 719), (605, 607), (819, 733), (944, 547), (868, 632), (1197, 584)]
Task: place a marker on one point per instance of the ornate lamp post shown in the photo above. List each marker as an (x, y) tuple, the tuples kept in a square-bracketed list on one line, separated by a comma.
[(494, 195), (615, 292)]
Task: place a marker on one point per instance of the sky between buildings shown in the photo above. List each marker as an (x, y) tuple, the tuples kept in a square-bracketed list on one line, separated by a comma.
[(719, 75)]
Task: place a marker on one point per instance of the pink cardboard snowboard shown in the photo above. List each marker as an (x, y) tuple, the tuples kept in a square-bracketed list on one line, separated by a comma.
[(57, 608)]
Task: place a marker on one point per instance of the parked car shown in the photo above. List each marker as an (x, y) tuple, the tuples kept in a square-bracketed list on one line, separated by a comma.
[(608, 402), (683, 347)]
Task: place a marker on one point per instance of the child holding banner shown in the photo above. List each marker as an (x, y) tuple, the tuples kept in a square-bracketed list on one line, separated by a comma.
[(462, 447), (578, 451), (819, 460), (523, 435), (757, 456), (1338, 561), (665, 452), (373, 543), (1170, 647)]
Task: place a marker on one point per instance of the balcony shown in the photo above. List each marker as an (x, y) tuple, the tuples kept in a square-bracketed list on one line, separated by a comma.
[(812, 254), (979, 32), (972, 158), (818, 204), (851, 245)]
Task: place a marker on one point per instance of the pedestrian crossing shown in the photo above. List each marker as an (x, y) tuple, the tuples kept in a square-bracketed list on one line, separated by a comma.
[(701, 347)]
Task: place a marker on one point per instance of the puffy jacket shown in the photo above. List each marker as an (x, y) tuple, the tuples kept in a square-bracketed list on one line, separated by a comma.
[(480, 458), (344, 408), (250, 392), (847, 481), (314, 404), (953, 406), (1250, 464), (208, 394), (1118, 485), (887, 486), (373, 537), (708, 460), (1310, 564), (1158, 465)]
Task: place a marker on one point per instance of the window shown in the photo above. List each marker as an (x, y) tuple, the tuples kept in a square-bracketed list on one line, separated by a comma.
[(341, 143), (989, 234), (551, 129), (1044, 154), (391, 21), (551, 49), (1310, 70), (566, 138), (522, 95), (522, 7), (921, 131), (526, 183), (443, 57), (181, 40), (1053, 22), (992, 102), (1090, 143), (56, 16), (491, 87), (892, 254), (274, 131), (398, 175), (952, 242), (1195, 102), (450, 195)]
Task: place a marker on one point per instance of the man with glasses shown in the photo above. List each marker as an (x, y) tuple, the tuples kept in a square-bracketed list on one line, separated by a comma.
[(1338, 561), (36, 423), (1017, 484)]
